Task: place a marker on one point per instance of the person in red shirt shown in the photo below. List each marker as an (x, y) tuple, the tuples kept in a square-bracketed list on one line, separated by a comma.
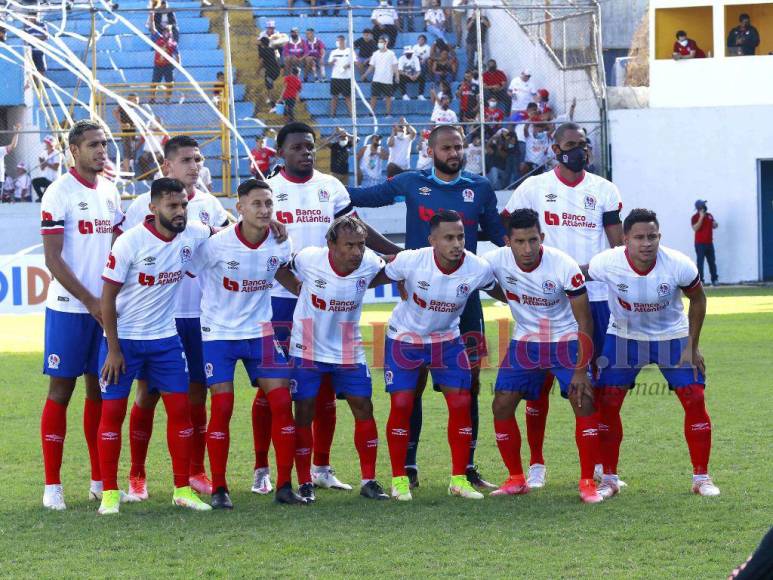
[(493, 116), (543, 105), (494, 83), (686, 47), (262, 156), (163, 69), (704, 224), (291, 91)]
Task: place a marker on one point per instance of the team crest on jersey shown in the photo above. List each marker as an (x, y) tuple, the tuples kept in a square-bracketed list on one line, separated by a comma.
[(664, 289), (622, 288), (110, 205), (549, 287), (53, 361), (462, 290), (468, 195), (590, 202), (320, 283), (511, 280), (204, 217), (149, 261), (208, 370), (324, 195), (281, 197), (185, 254), (362, 284), (232, 265), (103, 384), (83, 205), (424, 190), (423, 284), (389, 376), (551, 197), (272, 263)]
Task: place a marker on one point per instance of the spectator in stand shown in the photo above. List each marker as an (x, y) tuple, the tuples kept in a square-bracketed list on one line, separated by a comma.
[(219, 88), (129, 137), (493, 116), (204, 182), (522, 91), (313, 56), (399, 143), (704, 224), (458, 18), (685, 48), (444, 67), (262, 156), (521, 119), (163, 69), (409, 67), (6, 149), (340, 144), (269, 61), (744, 39), (163, 16), (494, 83), (22, 184), (502, 159), (385, 21), (8, 190), (341, 60), (365, 46), (444, 115), (383, 68), (538, 141), (292, 90), (435, 21), (473, 154), (405, 15), (437, 93), (424, 161), (293, 51), (50, 163), (370, 162), (472, 36), (543, 105), (467, 93), (422, 51), (37, 28)]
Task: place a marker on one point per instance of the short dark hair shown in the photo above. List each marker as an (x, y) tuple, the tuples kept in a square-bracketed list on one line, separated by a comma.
[(247, 186), (442, 129), (680, 33), (290, 128), (309, 29), (75, 136), (639, 216), (443, 216), (367, 31), (345, 222), (424, 36), (743, 16), (165, 186), (532, 106), (522, 219), (178, 142), (340, 37), (565, 128)]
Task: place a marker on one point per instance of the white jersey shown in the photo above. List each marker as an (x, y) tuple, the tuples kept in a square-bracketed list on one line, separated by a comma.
[(236, 278), (149, 269), (646, 305), (203, 208), (436, 297), (571, 216), (307, 209), (539, 298), (85, 214), (326, 322)]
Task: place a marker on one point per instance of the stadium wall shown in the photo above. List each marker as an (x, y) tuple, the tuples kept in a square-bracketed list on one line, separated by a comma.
[(665, 159)]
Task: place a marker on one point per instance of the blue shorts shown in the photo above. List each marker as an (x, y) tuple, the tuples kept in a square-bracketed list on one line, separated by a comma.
[(348, 380), (447, 362), (282, 319), (189, 331), (599, 310), (161, 362), (623, 358), (263, 358), (72, 344), (527, 363), (472, 327)]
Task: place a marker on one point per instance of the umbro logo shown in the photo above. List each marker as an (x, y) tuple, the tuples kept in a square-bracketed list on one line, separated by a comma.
[(83, 205), (511, 280), (622, 288), (149, 261), (281, 197), (423, 284), (424, 190), (551, 197), (232, 265), (320, 283)]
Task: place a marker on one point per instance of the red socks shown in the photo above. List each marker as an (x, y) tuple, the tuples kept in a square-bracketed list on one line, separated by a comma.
[(366, 443), (609, 401), (509, 443), (536, 419), (304, 441), (261, 429), (586, 434), (140, 430), (109, 443), (282, 433), (218, 436), (324, 424), (199, 439), (179, 433), (397, 429), (53, 427), (697, 426), (92, 411), (459, 430)]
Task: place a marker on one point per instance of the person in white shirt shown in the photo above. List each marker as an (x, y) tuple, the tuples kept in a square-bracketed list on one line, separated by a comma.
[(204, 182), (8, 189), (385, 21), (435, 21), (326, 341), (399, 143), (546, 292), (473, 154), (423, 332), (6, 149), (424, 161), (537, 148), (341, 60), (422, 50), (22, 184), (522, 91), (50, 164), (370, 161), (444, 114), (78, 215), (646, 281), (409, 67), (383, 68)]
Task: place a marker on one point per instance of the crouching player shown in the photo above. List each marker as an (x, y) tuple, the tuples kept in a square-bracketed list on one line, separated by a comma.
[(423, 332), (648, 325), (546, 294), (142, 278), (237, 267), (326, 341)]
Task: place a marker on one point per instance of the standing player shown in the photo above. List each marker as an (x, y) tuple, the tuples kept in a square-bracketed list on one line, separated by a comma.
[(326, 341), (237, 266), (78, 214), (579, 213), (648, 325), (307, 202), (444, 186), (143, 275), (546, 292), (181, 155), (423, 332)]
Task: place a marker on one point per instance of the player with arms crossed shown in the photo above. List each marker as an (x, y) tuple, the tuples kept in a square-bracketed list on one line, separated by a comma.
[(423, 332), (648, 325), (326, 340), (236, 267), (546, 292), (579, 213), (307, 202), (444, 186), (143, 275), (78, 214)]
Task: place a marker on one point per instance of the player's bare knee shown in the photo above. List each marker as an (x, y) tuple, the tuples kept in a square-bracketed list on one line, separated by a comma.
[(197, 393), (60, 389), (362, 408), (93, 392), (143, 399), (503, 406), (304, 412), (219, 388)]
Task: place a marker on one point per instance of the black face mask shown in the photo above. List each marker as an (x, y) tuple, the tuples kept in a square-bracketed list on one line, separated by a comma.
[(573, 159)]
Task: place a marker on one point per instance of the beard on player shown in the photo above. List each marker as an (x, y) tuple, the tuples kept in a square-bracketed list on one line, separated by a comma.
[(450, 165)]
